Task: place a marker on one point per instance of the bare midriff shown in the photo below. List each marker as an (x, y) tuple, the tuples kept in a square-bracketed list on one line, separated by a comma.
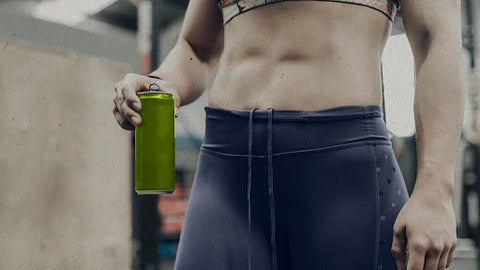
[(301, 55)]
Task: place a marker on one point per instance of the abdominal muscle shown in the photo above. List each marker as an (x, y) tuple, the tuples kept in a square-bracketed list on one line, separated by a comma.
[(301, 55)]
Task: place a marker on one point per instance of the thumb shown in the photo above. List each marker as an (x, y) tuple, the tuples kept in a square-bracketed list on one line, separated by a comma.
[(399, 246)]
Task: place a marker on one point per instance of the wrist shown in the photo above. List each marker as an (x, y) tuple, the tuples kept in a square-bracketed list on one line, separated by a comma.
[(156, 74), (437, 175), (434, 187)]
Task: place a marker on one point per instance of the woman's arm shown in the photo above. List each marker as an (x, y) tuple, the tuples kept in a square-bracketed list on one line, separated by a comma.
[(191, 63), (187, 69), (433, 28), (426, 224)]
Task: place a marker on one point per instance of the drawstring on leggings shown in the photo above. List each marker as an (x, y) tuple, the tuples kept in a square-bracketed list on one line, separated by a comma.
[(249, 190), (270, 187)]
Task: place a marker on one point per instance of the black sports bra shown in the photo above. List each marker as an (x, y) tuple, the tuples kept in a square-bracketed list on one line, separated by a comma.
[(231, 8)]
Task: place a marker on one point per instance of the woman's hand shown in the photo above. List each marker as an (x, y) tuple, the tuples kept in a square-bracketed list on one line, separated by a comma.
[(425, 228), (127, 103)]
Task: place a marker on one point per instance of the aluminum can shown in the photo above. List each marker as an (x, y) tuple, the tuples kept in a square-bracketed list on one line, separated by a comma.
[(155, 144)]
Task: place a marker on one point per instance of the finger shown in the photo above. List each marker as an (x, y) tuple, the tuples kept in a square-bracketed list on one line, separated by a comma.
[(432, 257), (122, 121), (177, 104), (176, 97), (118, 92), (163, 85), (118, 108), (118, 100), (442, 262), (399, 246), (125, 111), (131, 98), (451, 254), (130, 114), (116, 87), (118, 117), (416, 256)]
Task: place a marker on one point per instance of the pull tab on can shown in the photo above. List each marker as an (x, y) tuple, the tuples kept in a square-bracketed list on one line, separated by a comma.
[(152, 87)]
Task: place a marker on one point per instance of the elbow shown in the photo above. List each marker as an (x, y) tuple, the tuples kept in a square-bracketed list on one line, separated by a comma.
[(440, 47), (420, 40)]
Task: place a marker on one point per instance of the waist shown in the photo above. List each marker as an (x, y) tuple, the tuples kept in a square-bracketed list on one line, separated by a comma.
[(300, 85), (292, 131)]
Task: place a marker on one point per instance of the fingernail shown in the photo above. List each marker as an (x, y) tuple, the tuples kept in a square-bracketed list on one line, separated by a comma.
[(136, 106), (135, 120)]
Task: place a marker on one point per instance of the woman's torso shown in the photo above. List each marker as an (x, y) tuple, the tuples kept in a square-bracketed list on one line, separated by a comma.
[(301, 55)]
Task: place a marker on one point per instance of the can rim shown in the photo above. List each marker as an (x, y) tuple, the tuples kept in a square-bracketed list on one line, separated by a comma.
[(154, 92)]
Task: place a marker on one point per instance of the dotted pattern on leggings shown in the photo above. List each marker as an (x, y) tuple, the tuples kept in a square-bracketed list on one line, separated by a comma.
[(393, 195)]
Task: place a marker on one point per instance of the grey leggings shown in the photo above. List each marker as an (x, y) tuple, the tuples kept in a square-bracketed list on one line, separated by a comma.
[(293, 190)]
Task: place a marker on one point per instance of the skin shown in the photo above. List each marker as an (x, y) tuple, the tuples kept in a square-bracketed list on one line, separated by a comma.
[(313, 55)]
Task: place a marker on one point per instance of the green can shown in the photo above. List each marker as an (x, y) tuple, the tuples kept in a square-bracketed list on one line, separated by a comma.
[(155, 144)]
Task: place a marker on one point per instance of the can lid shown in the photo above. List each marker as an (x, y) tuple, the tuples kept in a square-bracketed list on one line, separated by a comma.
[(153, 92)]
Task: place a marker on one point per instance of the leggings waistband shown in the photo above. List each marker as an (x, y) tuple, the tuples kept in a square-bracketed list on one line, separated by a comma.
[(292, 131), (287, 132)]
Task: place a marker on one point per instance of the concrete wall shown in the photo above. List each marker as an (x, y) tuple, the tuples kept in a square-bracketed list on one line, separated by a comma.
[(105, 42), (65, 163)]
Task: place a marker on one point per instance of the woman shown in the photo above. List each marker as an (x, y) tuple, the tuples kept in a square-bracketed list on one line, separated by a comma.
[(296, 169)]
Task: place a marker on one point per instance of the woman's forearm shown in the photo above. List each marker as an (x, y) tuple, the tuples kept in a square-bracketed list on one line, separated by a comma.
[(438, 110), (189, 73)]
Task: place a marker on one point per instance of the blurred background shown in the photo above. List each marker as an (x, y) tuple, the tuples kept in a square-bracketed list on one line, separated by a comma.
[(66, 168)]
